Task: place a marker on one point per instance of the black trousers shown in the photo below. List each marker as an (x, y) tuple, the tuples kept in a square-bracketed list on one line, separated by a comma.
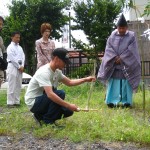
[(48, 111)]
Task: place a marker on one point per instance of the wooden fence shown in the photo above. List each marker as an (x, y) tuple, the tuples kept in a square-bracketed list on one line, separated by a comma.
[(146, 68)]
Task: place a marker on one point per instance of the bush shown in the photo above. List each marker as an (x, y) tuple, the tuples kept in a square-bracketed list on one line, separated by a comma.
[(82, 71)]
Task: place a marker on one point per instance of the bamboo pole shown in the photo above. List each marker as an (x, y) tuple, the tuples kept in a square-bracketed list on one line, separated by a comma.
[(91, 87), (142, 65), (87, 109)]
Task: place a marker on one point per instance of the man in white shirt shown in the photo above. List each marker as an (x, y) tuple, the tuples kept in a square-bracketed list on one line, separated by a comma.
[(3, 54), (42, 97), (16, 60)]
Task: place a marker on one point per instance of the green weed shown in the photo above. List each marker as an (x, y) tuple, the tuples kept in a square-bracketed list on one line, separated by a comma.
[(127, 125)]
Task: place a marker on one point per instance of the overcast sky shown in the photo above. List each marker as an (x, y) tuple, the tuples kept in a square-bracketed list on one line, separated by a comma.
[(3, 7)]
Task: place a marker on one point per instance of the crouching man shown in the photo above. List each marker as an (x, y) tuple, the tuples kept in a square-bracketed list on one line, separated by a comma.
[(42, 97)]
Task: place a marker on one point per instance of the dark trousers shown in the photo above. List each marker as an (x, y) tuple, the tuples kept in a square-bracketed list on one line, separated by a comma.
[(48, 111)]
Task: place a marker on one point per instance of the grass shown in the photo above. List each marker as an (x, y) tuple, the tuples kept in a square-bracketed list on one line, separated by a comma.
[(127, 125)]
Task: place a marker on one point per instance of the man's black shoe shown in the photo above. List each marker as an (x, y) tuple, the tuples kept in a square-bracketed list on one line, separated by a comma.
[(17, 105), (59, 126), (111, 105), (37, 119), (126, 105), (10, 106), (56, 126), (13, 105)]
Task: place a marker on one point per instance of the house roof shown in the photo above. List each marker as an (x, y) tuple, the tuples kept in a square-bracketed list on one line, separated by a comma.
[(76, 54)]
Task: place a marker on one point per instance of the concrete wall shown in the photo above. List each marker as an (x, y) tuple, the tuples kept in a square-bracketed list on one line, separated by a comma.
[(143, 42)]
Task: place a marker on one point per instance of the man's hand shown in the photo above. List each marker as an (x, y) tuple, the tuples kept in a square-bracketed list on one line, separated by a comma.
[(21, 69), (73, 107), (118, 60), (90, 79)]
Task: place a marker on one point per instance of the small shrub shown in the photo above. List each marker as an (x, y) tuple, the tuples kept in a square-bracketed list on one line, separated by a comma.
[(79, 72)]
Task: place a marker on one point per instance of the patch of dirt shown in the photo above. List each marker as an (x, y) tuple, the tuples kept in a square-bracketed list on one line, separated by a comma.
[(28, 142)]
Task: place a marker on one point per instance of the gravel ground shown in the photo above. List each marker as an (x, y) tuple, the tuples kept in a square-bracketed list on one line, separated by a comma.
[(28, 142)]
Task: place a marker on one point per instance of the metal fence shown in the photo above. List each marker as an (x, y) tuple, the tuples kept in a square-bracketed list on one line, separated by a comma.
[(77, 69), (70, 70)]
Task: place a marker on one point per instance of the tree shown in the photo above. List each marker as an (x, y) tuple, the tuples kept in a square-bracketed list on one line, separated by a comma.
[(27, 17), (96, 19)]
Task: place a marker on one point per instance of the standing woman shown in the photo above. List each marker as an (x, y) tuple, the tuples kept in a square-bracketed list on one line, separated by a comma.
[(44, 46)]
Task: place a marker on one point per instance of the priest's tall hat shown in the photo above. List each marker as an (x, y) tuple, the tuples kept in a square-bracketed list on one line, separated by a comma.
[(122, 21)]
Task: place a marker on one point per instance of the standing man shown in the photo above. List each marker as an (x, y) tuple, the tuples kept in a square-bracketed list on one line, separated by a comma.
[(16, 60), (120, 66), (3, 53), (43, 98)]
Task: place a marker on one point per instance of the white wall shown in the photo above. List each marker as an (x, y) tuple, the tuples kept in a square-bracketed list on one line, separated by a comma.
[(140, 5)]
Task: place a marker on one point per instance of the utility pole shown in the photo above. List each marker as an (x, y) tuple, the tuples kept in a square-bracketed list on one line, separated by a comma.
[(69, 29), (69, 34)]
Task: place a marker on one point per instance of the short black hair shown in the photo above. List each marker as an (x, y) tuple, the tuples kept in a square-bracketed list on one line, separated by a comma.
[(14, 33), (1, 18)]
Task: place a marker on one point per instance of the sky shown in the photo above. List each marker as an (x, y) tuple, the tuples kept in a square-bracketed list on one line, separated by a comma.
[(3, 7)]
